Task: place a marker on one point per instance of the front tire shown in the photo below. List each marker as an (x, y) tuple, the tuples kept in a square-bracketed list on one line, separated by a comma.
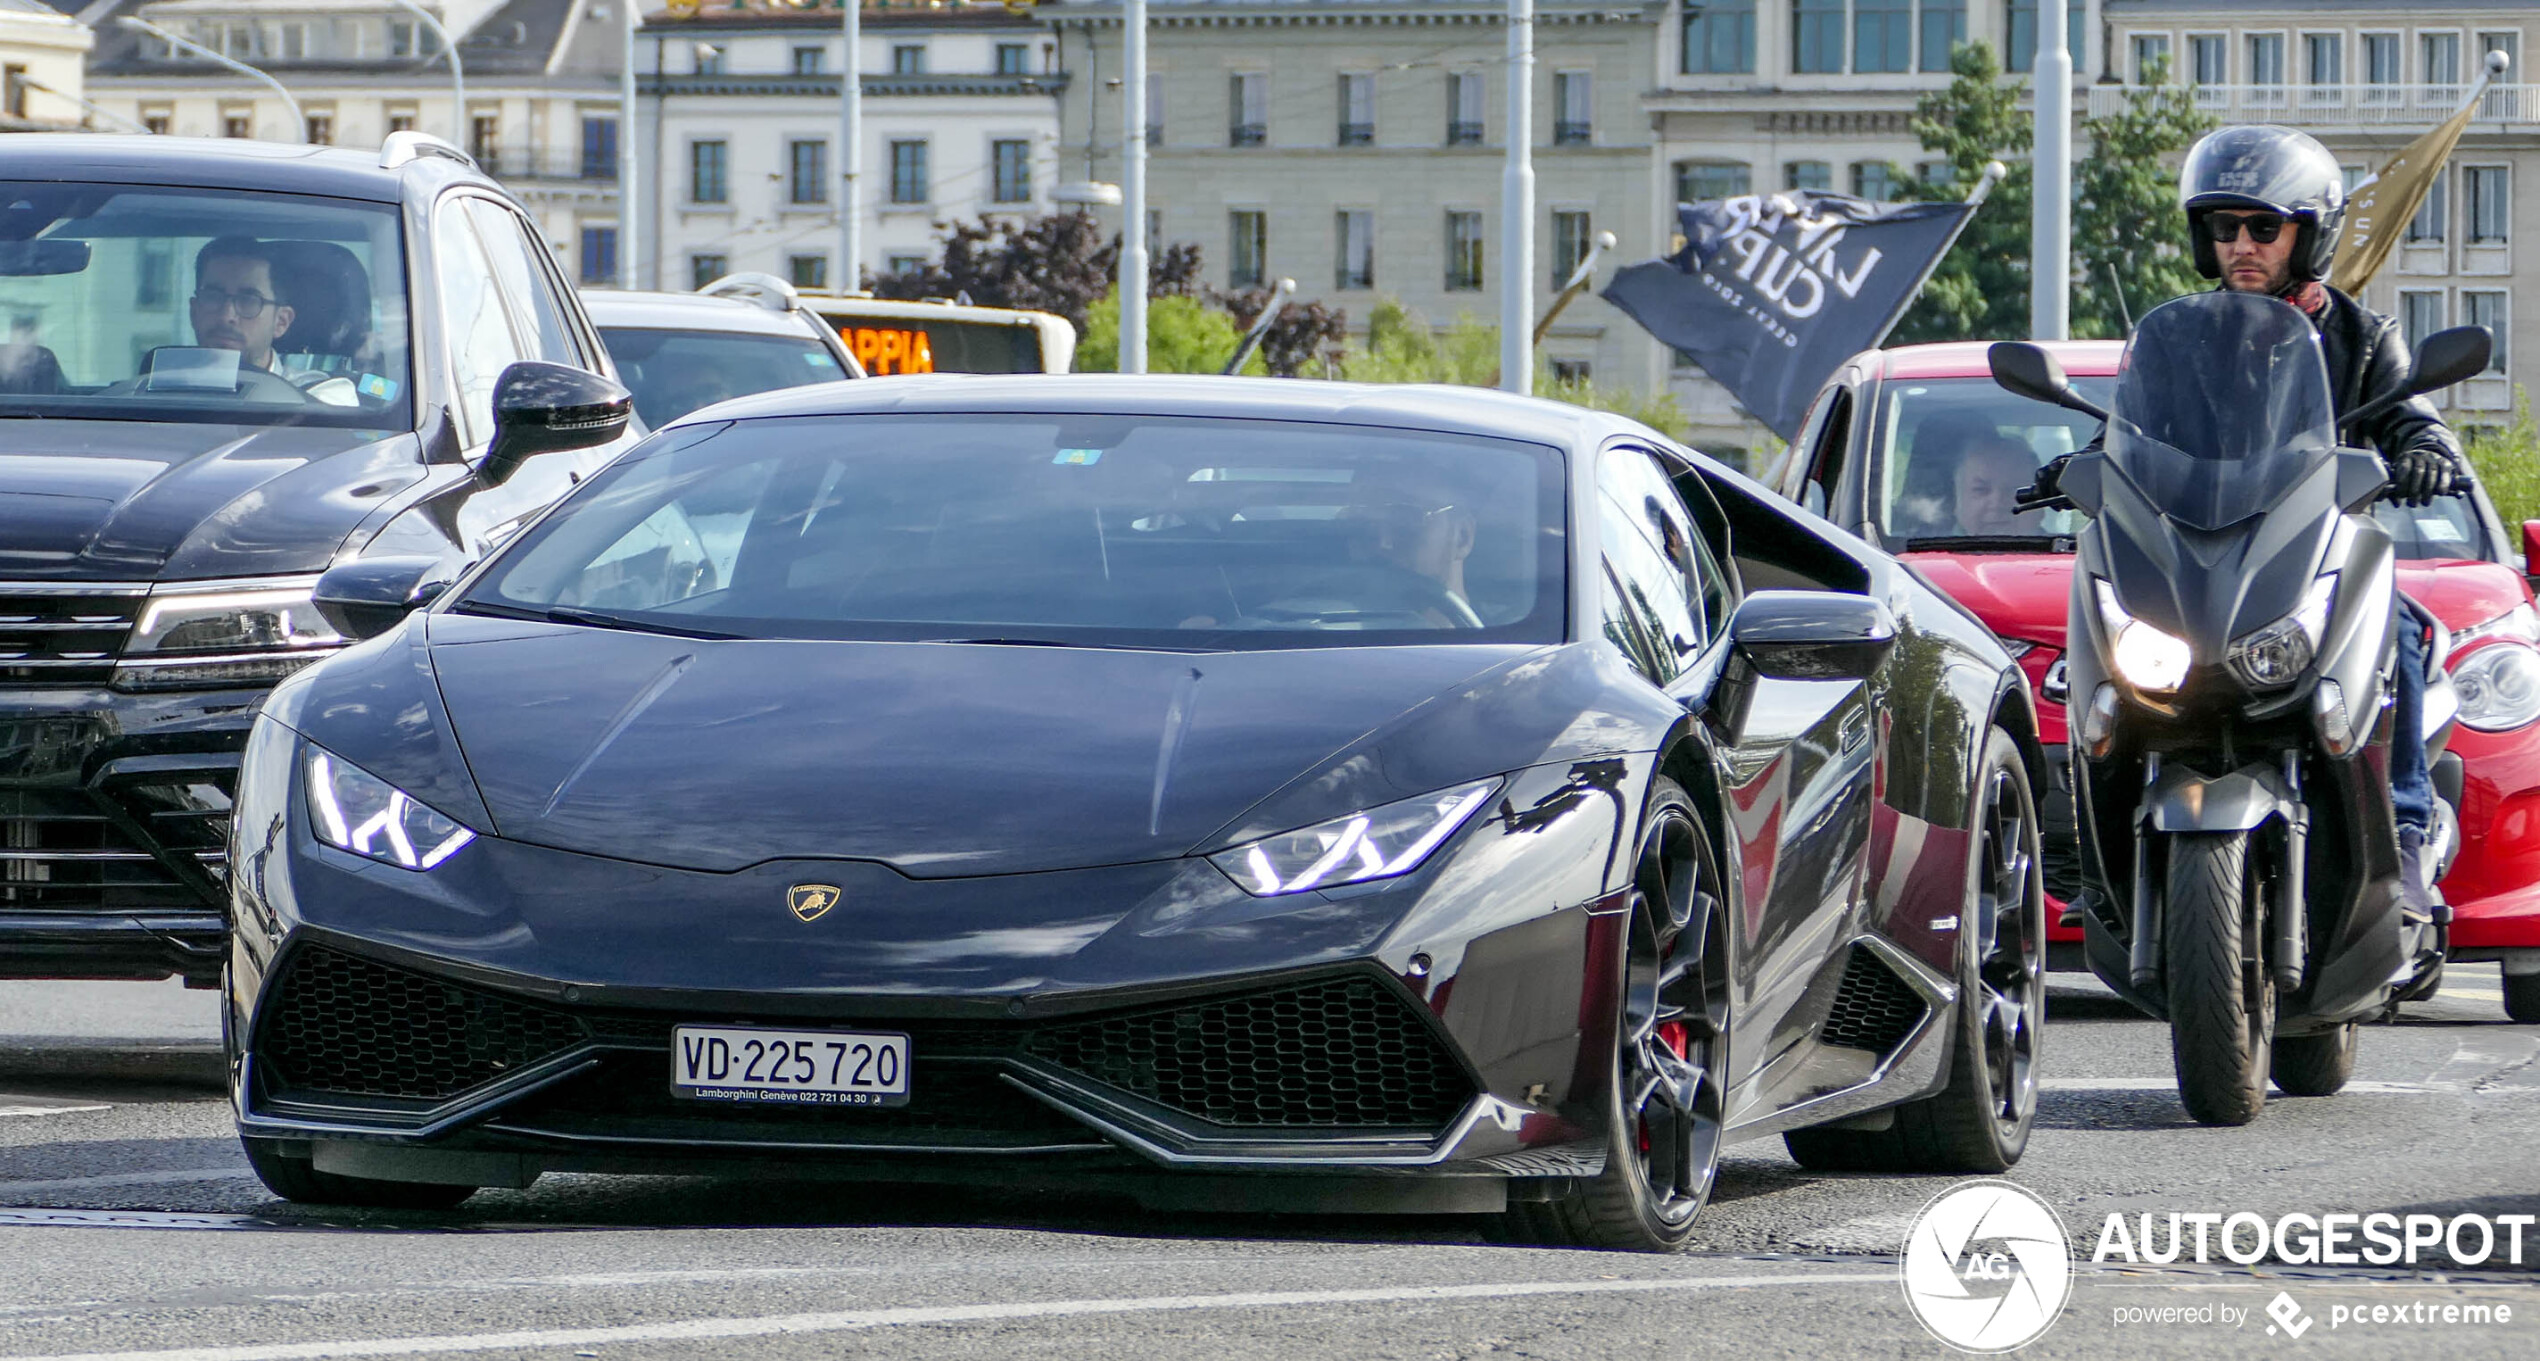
[(2522, 997), (1667, 1098), (297, 1179), (2315, 1065), (2221, 998), (1980, 1122)]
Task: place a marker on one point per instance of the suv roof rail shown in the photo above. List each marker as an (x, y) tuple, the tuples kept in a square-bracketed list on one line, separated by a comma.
[(404, 147), (766, 290)]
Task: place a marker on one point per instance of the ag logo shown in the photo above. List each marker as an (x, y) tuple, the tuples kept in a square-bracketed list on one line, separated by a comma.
[(809, 901), (1987, 1268)]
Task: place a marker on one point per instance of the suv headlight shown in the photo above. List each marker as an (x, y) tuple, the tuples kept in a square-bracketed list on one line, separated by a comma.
[(2272, 657), (2498, 686), (1376, 844), (225, 633), (356, 811), (2149, 659)]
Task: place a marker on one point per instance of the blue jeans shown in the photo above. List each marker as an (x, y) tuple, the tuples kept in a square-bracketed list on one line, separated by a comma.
[(2411, 781)]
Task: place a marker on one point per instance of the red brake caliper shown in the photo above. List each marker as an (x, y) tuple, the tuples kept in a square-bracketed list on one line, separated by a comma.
[(1675, 1036)]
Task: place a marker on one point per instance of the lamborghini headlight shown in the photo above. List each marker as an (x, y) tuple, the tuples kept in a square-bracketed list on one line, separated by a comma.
[(2498, 686), (356, 811), (2149, 659), (1376, 844), (2273, 657), (242, 632)]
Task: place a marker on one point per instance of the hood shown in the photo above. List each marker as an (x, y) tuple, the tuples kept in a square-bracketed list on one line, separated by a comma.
[(940, 760), (137, 500), (2017, 595), (2463, 594)]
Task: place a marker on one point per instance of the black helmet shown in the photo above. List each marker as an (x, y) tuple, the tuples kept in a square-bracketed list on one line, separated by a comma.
[(2268, 169)]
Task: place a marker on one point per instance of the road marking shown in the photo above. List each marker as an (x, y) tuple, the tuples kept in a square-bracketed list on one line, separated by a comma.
[(2168, 1084), (175, 1177), (11, 1104), (712, 1329)]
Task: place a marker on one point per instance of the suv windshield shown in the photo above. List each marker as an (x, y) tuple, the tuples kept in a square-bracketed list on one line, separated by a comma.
[(148, 303), (1100, 531), (673, 373), (1957, 449)]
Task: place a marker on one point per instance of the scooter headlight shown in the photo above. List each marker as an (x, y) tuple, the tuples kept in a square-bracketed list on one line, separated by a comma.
[(2273, 657), (2498, 686), (2147, 658)]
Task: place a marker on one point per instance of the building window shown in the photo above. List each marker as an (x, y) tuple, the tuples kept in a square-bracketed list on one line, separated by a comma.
[(1155, 109), (401, 38), (807, 172), (1807, 175), (1463, 252), (237, 125), (1354, 232), (909, 180), (1014, 59), (1573, 108), (2420, 314), (908, 59), (599, 148), (157, 124), (807, 271), (321, 129), (1247, 109), (2431, 224), (1873, 180), (1699, 181), (1719, 37), (809, 60), (1357, 109), (1938, 174), (401, 122), (706, 163), (1010, 171), (704, 269), (1570, 243), (295, 42), (2266, 59), (1882, 35), (2151, 56), (2324, 59), (2020, 23), (2439, 58), (1944, 28), (707, 59), (599, 255), (1247, 248), (150, 282), (2208, 60), (2490, 204), (1463, 109), (1816, 43), (2486, 307), (484, 141), (1567, 371), (2381, 58)]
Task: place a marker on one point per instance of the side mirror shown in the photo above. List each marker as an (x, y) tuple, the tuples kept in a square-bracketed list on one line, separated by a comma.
[(2530, 549), (2031, 372), (367, 596), (1812, 635), (2448, 357), (542, 408)]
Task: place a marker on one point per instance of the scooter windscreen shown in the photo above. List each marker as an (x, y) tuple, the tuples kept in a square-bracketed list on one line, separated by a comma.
[(2222, 405)]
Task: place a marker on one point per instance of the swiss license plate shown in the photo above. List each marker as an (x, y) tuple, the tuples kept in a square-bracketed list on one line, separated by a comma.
[(749, 1065)]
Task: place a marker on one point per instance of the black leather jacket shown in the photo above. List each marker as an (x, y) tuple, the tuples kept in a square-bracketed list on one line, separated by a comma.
[(2367, 357)]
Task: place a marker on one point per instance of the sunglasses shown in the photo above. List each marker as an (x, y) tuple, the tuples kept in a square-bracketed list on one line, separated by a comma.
[(2263, 230)]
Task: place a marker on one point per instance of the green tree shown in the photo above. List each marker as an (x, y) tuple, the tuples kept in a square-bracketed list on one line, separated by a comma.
[(2507, 458), (2128, 216), (1402, 348), (1980, 290), (1184, 335)]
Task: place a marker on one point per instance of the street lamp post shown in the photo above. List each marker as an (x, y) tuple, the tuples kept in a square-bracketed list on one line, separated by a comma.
[(1517, 208), (299, 118), (1133, 187), (2051, 217), (630, 165), (850, 147), (458, 77)]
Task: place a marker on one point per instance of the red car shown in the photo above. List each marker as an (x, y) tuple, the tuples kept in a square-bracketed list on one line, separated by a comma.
[(1917, 450)]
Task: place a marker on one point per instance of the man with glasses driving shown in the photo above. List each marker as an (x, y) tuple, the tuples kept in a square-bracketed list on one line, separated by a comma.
[(235, 304)]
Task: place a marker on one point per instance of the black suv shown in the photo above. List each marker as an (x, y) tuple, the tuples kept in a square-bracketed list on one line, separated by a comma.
[(229, 367)]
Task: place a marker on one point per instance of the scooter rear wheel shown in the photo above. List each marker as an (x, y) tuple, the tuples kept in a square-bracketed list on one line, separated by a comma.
[(2221, 1000), (2316, 1065)]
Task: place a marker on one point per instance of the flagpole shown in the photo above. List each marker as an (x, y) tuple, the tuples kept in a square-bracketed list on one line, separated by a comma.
[(1993, 173)]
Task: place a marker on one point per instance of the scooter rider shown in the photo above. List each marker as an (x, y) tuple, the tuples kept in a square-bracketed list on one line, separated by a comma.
[(2263, 209)]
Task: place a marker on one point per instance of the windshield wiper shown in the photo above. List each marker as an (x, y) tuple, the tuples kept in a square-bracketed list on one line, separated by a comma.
[(1993, 543), (1054, 642)]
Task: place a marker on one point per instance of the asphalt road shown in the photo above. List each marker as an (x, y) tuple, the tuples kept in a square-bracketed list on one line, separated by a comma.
[(129, 1225)]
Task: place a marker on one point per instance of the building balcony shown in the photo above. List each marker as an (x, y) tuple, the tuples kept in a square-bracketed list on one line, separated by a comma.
[(2340, 106), (547, 166)]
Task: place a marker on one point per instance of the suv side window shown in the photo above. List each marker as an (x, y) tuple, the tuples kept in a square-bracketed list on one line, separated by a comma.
[(510, 244), (1649, 545), (474, 319), (1825, 460)]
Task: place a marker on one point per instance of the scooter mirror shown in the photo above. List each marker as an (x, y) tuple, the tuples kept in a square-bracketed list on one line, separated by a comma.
[(2448, 357), (2031, 372)]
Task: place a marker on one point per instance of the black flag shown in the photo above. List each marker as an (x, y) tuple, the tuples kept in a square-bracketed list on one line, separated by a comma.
[(1772, 291)]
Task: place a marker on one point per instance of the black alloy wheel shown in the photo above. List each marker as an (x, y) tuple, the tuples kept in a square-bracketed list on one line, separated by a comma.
[(1980, 1122), (1668, 1102)]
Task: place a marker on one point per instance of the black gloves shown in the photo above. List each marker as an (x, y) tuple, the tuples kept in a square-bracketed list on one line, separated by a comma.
[(2419, 475)]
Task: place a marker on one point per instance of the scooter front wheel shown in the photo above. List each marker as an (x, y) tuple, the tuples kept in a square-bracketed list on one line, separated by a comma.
[(2221, 999)]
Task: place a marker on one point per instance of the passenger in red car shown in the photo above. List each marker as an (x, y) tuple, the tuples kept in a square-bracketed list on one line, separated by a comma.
[(1993, 470)]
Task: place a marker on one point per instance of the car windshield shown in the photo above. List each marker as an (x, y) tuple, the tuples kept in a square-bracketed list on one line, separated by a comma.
[(673, 373), (1955, 452), (2222, 407), (1100, 531), (148, 303)]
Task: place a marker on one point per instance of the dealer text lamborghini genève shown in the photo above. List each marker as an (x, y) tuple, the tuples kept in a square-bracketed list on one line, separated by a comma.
[(1232, 792)]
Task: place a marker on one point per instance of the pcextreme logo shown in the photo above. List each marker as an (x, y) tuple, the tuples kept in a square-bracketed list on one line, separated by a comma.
[(1987, 1267)]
